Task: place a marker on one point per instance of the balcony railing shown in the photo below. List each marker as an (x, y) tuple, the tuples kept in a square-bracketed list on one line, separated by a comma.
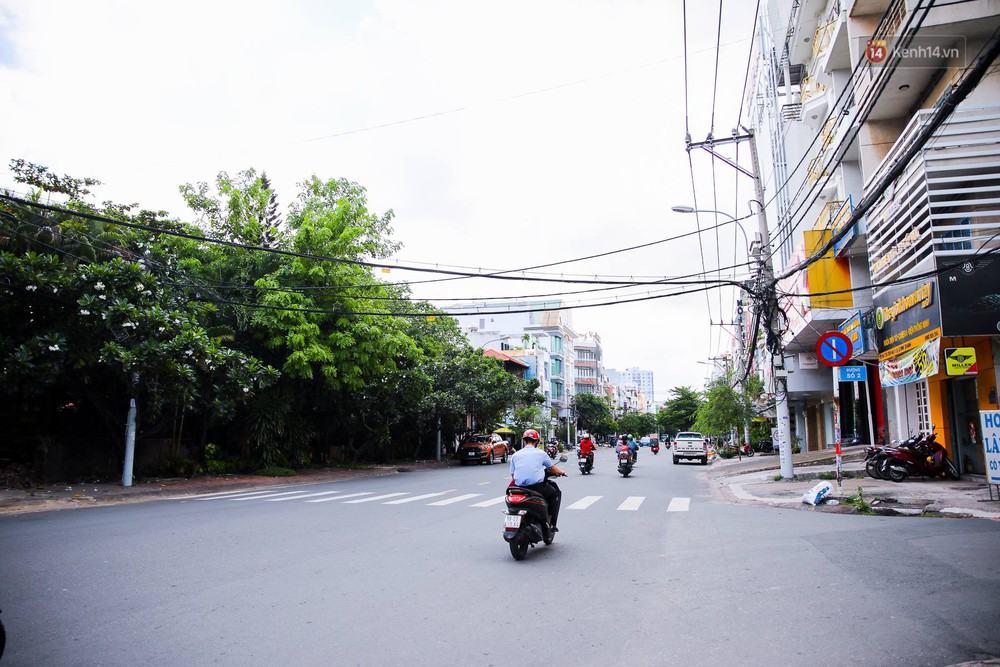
[(945, 203)]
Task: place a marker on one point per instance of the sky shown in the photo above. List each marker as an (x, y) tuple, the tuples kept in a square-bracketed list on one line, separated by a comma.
[(501, 135)]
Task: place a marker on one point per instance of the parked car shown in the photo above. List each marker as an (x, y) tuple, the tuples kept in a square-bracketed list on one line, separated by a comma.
[(690, 445), (483, 449)]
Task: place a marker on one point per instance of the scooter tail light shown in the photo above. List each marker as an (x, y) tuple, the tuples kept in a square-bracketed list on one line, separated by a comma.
[(516, 497)]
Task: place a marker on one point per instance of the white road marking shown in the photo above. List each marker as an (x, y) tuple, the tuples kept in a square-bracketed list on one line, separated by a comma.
[(382, 497), (679, 505), (308, 495), (349, 495), (584, 502), (456, 499), (234, 494), (267, 495), (489, 503), (214, 496), (415, 498), (631, 503)]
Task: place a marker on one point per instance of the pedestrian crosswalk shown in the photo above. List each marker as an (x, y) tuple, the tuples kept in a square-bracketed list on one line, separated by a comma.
[(437, 499)]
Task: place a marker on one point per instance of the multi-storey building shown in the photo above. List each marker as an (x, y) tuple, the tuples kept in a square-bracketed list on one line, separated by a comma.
[(643, 380), (589, 364), (853, 104), (544, 335)]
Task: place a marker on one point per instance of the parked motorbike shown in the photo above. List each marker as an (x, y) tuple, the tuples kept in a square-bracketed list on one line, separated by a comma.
[(625, 462), (526, 521), (746, 450), (585, 461), (875, 457), (926, 458), (655, 449)]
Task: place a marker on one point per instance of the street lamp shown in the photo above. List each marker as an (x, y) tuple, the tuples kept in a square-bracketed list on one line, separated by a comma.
[(688, 209)]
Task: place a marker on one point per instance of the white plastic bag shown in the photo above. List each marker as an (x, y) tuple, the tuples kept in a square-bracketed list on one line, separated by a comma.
[(815, 495)]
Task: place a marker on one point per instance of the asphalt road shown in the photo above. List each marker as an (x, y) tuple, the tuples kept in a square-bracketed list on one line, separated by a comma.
[(648, 570)]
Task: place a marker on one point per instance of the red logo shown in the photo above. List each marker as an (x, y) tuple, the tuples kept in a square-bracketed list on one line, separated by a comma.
[(876, 51)]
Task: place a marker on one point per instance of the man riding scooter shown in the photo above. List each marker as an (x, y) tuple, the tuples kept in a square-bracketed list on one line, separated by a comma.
[(587, 449)]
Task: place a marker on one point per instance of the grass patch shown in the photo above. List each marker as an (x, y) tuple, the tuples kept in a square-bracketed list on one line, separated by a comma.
[(276, 471), (827, 475), (778, 478)]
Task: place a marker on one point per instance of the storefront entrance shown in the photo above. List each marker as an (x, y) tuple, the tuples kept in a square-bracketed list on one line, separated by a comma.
[(964, 410)]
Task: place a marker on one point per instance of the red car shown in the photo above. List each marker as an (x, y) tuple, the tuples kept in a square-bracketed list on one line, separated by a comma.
[(483, 449)]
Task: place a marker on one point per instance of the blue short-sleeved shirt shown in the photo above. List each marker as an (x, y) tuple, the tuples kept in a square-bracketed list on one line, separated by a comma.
[(528, 466)]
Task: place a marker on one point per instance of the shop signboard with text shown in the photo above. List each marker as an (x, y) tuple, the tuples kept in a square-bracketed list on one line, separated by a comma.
[(855, 332), (970, 296), (917, 363), (906, 317)]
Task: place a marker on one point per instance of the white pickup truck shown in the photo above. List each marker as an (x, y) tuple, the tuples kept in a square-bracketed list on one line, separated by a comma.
[(690, 445)]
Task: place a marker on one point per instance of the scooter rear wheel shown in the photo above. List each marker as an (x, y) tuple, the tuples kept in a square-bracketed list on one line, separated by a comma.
[(872, 468), (519, 546), (892, 472)]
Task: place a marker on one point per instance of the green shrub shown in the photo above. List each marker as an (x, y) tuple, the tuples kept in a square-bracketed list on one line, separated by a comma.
[(858, 500), (727, 453), (276, 471), (778, 477), (827, 475)]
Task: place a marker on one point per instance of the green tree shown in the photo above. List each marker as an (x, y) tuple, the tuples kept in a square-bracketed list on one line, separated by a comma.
[(680, 412), (638, 424), (591, 412), (724, 408)]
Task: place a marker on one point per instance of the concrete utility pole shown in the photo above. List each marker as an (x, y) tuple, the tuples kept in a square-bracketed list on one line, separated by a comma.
[(771, 305), (768, 292)]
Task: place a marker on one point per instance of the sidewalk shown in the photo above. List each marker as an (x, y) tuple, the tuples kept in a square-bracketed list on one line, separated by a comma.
[(752, 481), (44, 497)]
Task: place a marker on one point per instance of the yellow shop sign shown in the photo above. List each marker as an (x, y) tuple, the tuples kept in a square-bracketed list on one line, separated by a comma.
[(960, 361)]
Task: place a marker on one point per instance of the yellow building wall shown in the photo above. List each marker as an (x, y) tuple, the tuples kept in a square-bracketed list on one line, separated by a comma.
[(937, 388), (829, 274)]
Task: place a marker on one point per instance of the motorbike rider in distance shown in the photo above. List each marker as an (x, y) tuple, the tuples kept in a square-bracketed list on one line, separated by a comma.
[(587, 449), (527, 470), (633, 447)]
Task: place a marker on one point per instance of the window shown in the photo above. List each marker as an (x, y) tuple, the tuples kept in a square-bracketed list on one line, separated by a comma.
[(585, 372), (557, 391), (557, 344), (557, 367), (482, 323), (923, 407)]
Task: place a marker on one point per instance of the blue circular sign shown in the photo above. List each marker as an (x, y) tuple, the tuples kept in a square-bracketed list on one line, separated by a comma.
[(833, 349)]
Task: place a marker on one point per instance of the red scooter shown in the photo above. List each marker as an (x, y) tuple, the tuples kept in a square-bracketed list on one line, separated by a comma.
[(926, 458), (655, 449)]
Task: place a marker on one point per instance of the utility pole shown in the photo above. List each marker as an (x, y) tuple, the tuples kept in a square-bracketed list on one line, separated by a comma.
[(770, 296), (767, 291)]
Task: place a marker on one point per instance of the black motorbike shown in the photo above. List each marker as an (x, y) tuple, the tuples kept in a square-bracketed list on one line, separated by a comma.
[(625, 462), (585, 461), (526, 522), (3, 638)]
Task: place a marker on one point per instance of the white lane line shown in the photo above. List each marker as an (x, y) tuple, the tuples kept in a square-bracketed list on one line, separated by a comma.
[(267, 495), (416, 498), (308, 495), (349, 495), (584, 502), (679, 505), (456, 499), (489, 503), (631, 503), (485, 483), (382, 497), (220, 494), (233, 494)]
